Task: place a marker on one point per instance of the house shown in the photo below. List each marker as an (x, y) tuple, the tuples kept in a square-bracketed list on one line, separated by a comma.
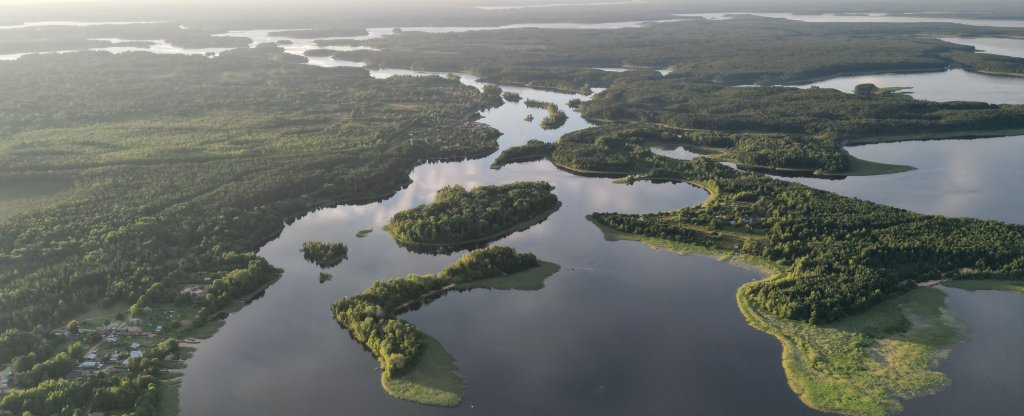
[(111, 339), (103, 330), (195, 290), (159, 328), (114, 357), (133, 331), (90, 365), (135, 345), (135, 354), (90, 356)]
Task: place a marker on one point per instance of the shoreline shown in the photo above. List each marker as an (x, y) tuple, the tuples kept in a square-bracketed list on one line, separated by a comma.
[(816, 359)]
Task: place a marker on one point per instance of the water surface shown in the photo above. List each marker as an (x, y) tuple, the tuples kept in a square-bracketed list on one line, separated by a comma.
[(951, 85), (621, 328), (866, 18)]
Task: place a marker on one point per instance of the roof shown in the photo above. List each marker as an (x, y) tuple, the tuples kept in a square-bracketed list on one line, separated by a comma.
[(135, 354), (135, 345), (90, 364)]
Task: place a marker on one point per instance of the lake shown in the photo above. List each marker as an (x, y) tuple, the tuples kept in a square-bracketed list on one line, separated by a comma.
[(620, 329), (951, 85), (867, 18)]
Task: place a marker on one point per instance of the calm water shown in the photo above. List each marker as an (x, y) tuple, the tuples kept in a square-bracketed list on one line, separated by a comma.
[(621, 328), (867, 18), (972, 178), (964, 178), (987, 371), (951, 85), (995, 46)]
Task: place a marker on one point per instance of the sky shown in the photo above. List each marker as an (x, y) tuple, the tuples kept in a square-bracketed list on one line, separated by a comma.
[(29, 10)]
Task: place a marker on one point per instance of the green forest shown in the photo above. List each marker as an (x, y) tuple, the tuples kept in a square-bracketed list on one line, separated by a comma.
[(841, 255), (792, 128), (256, 138), (741, 50), (460, 216)]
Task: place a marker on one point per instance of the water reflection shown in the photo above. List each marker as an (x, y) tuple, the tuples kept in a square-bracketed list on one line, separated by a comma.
[(995, 46), (951, 85), (554, 351), (963, 178), (866, 18)]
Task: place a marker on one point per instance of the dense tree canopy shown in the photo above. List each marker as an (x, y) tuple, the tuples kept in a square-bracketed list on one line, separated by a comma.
[(841, 255), (458, 216)]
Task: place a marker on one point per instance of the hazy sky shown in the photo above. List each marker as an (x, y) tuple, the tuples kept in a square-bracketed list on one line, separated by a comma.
[(30, 10)]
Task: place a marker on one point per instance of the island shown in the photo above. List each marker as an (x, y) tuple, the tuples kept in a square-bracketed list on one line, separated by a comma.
[(556, 118), (511, 96), (845, 289), (461, 218), (325, 255), (806, 135), (532, 150), (415, 366)]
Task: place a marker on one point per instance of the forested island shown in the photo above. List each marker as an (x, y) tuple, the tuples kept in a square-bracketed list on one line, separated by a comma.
[(532, 150), (414, 366), (458, 217), (830, 257), (325, 255), (749, 126)]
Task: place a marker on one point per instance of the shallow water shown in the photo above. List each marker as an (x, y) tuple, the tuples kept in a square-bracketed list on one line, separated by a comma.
[(987, 370)]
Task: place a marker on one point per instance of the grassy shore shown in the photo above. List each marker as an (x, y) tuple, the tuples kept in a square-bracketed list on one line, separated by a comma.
[(532, 279), (434, 379), (862, 365), (861, 167), (972, 285)]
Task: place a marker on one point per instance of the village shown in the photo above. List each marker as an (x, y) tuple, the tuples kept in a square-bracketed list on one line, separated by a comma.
[(115, 340)]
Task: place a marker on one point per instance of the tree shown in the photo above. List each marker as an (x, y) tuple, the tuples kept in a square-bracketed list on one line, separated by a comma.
[(73, 327)]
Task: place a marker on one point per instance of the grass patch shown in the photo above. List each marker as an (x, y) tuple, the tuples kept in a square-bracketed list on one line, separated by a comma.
[(987, 284), (532, 279), (363, 233), (865, 364), (206, 330), (861, 167), (99, 313), (433, 380), (862, 365), (170, 398)]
